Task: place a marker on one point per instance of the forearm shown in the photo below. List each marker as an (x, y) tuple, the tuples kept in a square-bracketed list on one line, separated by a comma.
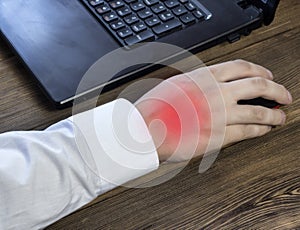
[(45, 175)]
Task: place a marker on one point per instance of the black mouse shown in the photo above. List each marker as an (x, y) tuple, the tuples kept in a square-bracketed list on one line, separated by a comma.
[(260, 101)]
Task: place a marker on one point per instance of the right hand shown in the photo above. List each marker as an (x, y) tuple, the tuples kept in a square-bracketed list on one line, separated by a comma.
[(235, 80)]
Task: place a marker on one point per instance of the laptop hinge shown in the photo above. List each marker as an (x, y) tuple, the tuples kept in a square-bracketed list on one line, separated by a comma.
[(268, 8)]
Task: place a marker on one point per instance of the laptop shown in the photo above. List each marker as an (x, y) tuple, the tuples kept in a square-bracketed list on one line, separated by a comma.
[(59, 40)]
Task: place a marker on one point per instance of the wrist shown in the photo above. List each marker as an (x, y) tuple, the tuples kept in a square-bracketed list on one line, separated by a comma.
[(163, 124)]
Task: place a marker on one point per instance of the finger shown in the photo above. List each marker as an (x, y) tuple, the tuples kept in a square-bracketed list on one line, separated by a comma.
[(236, 133), (238, 69), (248, 114), (259, 87)]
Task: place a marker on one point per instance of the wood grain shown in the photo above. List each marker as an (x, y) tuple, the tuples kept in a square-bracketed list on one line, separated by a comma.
[(254, 184)]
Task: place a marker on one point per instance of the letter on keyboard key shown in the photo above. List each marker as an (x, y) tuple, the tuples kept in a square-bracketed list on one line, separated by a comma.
[(110, 16), (116, 4), (153, 21), (117, 25), (124, 11), (167, 27), (198, 14), (166, 16), (103, 9), (171, 3), (188, 18), (137, 6), (180, 10), (125, 32), (158, 8), (150, 2), (95, 2), (139, 26), (190, 6), (145, 13), (132, 18)]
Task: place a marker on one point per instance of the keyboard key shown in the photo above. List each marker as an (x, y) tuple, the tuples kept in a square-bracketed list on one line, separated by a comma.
[(103, 8), (171, 3), (145, 13), (153, 21), (190, 6), (117, 25), (108, 17), (124, 11), (116, 4), (134, 21), (198, 14), (130, 19), (150, 2), (139, 26), (125, 32), (188, 19), (180, 10), (167, 27), (137, 6), (95, 2), (158, 8), (146, 35), (166, 16), (132, 40)]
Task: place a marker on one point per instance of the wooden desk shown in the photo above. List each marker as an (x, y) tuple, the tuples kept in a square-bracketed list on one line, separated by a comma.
[(253, 184)]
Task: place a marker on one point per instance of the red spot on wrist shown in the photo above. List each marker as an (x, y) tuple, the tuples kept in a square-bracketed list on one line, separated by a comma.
[(173, 120)]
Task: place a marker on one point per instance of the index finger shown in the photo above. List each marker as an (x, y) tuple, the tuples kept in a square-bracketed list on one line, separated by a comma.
[(246, 89), (239, 69)]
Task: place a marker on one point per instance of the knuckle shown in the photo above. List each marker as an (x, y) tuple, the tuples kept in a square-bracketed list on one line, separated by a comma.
[(259, 114), (278, 117), (245, 64), (218, 72), (253, 130), (271, 117), (259, 83), (262, 131), (257, 130), (283, 88), (247, 131), (239, 61)]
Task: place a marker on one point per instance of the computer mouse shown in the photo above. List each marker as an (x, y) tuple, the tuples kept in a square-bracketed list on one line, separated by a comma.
[(260, 101)]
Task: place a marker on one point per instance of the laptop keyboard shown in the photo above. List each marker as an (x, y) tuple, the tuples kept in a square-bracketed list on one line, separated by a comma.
[(134, 21)]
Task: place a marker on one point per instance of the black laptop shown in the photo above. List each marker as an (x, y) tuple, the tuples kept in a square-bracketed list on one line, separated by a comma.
[(59, 40)]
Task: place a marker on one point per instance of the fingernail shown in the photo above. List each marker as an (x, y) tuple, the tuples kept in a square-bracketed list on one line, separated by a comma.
[(283, 119), (290, 97)]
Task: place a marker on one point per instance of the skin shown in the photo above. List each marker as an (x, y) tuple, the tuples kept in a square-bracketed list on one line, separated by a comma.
[(235, 80)]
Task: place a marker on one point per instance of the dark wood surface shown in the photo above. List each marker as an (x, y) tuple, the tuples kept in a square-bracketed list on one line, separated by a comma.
[(254, 184)]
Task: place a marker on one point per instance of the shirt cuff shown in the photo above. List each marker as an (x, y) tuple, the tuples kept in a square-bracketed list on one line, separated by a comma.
[(119, 141)]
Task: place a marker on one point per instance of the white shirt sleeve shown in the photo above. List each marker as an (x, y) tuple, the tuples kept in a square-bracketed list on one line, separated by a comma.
[(45, 175)]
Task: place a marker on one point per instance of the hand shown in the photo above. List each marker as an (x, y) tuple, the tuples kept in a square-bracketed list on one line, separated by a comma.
[(183, 109)]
